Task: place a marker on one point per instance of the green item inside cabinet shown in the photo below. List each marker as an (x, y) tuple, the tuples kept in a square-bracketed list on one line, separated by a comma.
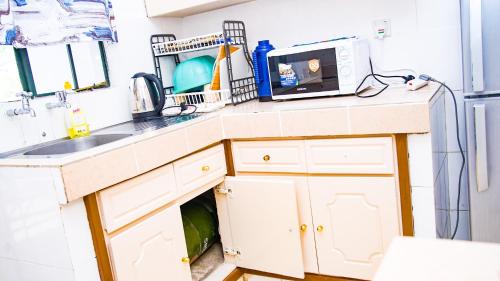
[(199, 218)]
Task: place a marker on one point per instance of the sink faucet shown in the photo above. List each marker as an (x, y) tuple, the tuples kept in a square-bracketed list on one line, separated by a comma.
[(62, 97), (25, 106)]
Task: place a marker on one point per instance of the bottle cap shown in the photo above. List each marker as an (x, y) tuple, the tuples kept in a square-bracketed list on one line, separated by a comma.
[(68, 86)]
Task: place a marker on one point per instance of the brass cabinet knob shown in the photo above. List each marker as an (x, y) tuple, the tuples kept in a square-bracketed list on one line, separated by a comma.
[(266, 158), (303, 228), (205, 168), (185, 260), (320, 228)]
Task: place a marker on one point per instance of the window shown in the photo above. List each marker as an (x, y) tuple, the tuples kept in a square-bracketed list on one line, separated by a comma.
[(43, 70), (10, 80)]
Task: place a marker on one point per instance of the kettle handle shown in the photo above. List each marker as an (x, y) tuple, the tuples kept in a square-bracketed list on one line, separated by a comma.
[(159, 88)]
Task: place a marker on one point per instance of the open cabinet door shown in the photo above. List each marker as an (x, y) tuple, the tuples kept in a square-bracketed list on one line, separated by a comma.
[(264, 225)]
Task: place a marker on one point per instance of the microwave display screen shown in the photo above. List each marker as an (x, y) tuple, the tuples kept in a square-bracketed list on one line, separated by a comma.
[(313, 71), (300, 73)]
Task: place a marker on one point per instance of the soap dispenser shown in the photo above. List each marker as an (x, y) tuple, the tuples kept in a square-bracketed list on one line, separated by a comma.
[(76, 121)]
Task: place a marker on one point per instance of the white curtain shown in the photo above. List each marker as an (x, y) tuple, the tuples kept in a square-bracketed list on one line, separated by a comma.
[(43, 22)]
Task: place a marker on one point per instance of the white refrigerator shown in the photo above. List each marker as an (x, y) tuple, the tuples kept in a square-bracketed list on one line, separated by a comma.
[(481, 49)]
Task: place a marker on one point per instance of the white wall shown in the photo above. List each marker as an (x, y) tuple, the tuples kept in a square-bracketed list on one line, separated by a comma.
[(425, 37), (104, 107), (39, 239), (426, 34)]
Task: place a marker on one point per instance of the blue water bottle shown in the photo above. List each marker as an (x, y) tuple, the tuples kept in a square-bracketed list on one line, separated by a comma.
[(261, 70)]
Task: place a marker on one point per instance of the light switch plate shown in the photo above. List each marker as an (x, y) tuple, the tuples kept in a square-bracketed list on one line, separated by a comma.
[(381, 28)]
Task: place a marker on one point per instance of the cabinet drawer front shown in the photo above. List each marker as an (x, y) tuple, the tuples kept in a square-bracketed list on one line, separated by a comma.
[(132, 199), (199, 169), (351, 156), (269, 156)]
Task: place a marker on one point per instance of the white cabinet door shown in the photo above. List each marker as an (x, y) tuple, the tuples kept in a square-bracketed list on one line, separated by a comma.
[(355, 220), (152, 249), (264, 225), (305, 217), (306, 224)]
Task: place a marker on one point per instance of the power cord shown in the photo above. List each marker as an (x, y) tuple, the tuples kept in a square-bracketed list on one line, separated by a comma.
[(429, 78), (413, 72), (426, 78), (182, 108), (376, 77)]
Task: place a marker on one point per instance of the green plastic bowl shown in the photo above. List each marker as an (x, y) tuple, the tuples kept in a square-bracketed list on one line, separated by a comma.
[(193, 74)]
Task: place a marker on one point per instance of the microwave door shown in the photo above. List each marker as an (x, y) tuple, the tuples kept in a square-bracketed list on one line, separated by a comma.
[(304, 73)]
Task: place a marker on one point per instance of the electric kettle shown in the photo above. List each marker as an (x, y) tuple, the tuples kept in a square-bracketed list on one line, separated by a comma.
[(146, 96)]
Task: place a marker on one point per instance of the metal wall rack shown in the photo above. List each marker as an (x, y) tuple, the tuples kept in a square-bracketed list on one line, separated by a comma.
[(233, 34)]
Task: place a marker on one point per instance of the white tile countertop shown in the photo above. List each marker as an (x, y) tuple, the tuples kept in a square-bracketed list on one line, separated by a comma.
[(396, 111)]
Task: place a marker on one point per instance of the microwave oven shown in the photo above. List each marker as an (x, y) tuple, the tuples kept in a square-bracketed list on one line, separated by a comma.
[(329, 68)]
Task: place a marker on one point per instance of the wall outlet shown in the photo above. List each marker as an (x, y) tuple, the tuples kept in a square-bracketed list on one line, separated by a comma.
[(381, 28)]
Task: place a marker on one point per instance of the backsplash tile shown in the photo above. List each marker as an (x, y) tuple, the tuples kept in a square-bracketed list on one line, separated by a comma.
[(424, 214), (102, 107), (454, 164), (443, 224), (441, 189), (420, 160), (463, 232)]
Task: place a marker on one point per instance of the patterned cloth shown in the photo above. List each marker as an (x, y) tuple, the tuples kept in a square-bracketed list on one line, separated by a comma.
[(43, 22)]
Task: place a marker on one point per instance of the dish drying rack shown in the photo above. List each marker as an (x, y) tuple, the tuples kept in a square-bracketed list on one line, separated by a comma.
[(207, 101), (240, 89)]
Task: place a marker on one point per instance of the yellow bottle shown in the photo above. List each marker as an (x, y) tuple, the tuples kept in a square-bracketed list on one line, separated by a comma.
[(76, 122)]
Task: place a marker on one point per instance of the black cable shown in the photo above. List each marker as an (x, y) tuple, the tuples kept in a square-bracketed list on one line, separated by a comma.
[(428, 78), (405, 78), (373, 95), (183, 107), (376, 77)]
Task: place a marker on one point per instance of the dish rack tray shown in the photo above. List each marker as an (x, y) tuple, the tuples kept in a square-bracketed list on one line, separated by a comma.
[(192, 44), (207, 101), (233, 34)]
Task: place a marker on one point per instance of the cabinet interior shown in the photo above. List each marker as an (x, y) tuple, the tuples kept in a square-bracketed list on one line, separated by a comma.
[(201, 230)]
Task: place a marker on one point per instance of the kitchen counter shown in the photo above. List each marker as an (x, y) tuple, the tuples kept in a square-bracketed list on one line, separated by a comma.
[(394, 111), (412, 259)]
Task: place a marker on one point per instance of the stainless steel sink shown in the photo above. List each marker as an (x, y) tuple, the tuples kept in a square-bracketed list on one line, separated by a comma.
[(62, 147), (76, 145)]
